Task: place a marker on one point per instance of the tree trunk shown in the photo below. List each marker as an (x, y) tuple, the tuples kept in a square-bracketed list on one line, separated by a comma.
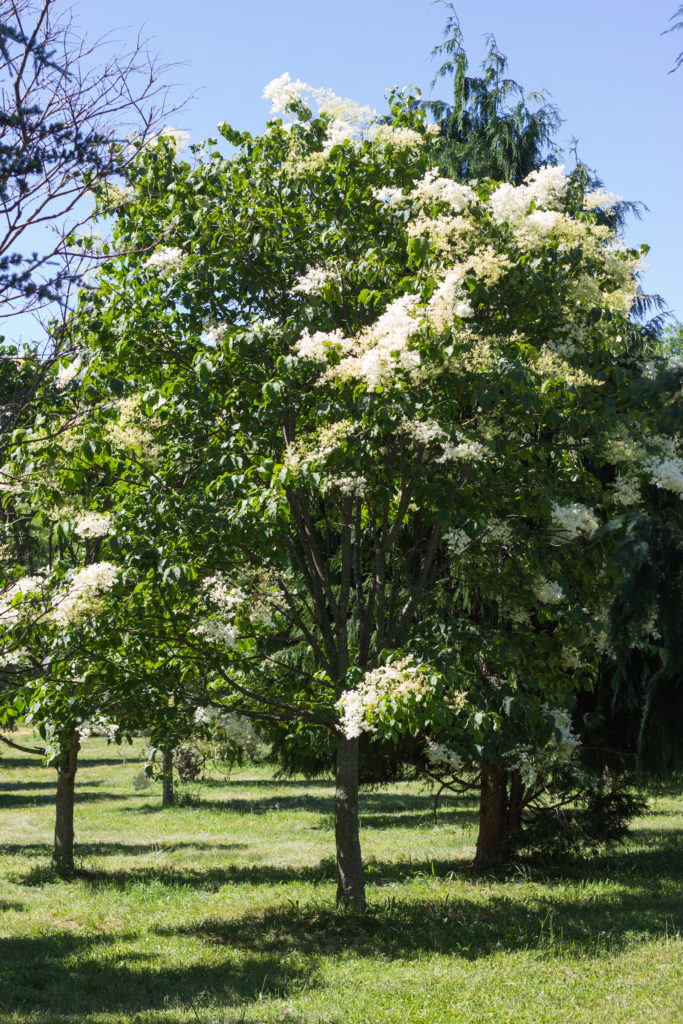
[(492, 817), (350, 878), (514, 815), (63, 849), (167, 797)]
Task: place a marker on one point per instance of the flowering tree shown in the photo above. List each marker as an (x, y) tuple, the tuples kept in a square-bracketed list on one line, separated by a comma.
[(363, 427)]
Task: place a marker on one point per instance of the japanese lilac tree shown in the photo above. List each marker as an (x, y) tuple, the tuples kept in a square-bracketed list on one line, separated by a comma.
[(367, 392)]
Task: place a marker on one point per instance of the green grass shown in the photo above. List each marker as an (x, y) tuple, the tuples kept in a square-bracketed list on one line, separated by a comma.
[(222, 910)]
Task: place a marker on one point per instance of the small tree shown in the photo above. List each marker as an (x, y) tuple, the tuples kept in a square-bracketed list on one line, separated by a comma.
[(356, 392)]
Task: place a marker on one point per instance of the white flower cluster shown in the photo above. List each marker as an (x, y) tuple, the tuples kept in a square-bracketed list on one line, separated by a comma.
[(498, 531), (428, 432), (165, 261), (424, 432), (314, 280), (217, 631), (27, 586), (445, 304), (98, 725), (666, 473), (67, 373), (235, 729), (400, 138), (626, 490), (457, 540), (600, 199), (468, 451), (433, 189), (315, 451), (93, 524), (83, 594), (316, 346), (128, 432), (17, 658), (442, 757), (382, 348), (214, 335), (400, 679), (564, 742), (542, 187), (349, 119), (260, 608), (548, 591), (574, 520), (351, 485), (178, 138)]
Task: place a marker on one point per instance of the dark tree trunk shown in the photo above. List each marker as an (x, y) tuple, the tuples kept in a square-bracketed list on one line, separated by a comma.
[(350, 877), (63, 849), (515, 802), (492, 817), (167, 796)]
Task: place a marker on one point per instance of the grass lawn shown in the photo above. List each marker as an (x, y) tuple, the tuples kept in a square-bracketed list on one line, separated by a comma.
[(222, 910)]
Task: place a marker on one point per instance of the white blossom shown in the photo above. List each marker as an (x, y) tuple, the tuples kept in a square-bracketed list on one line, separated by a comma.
[(83, 593), (600, 199), (178, 138), (67, 373), (433, 189), (666, 473), (626, 490), (548, 591), (445, 304), (10, 605), (214, 335), (317, 346), (465, 450), (404, 679), (352, 485), (457, 540), (401, 138), (235, 729), (98, 725), (382, 348), (542, 187), (574, 520), (564, 741), (314, 280), (165, 260), (442, 757), (93, 524)]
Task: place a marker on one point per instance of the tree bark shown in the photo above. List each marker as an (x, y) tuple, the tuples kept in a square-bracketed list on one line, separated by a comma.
[(167, 795), (492, 817), (350, 876), (63, 849), (515, 802)]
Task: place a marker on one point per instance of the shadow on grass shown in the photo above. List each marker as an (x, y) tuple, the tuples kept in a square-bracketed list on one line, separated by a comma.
[(47, 784), (9, 800), (647, 870), (230, 781), (377, 810), (67, 976), (401, 927), (119, 849), (10, 905)]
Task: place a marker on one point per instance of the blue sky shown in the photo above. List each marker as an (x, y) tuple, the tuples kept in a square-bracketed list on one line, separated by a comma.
[(604, 62)]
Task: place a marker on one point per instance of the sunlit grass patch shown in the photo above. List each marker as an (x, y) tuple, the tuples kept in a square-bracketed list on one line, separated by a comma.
[(222, 910)]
